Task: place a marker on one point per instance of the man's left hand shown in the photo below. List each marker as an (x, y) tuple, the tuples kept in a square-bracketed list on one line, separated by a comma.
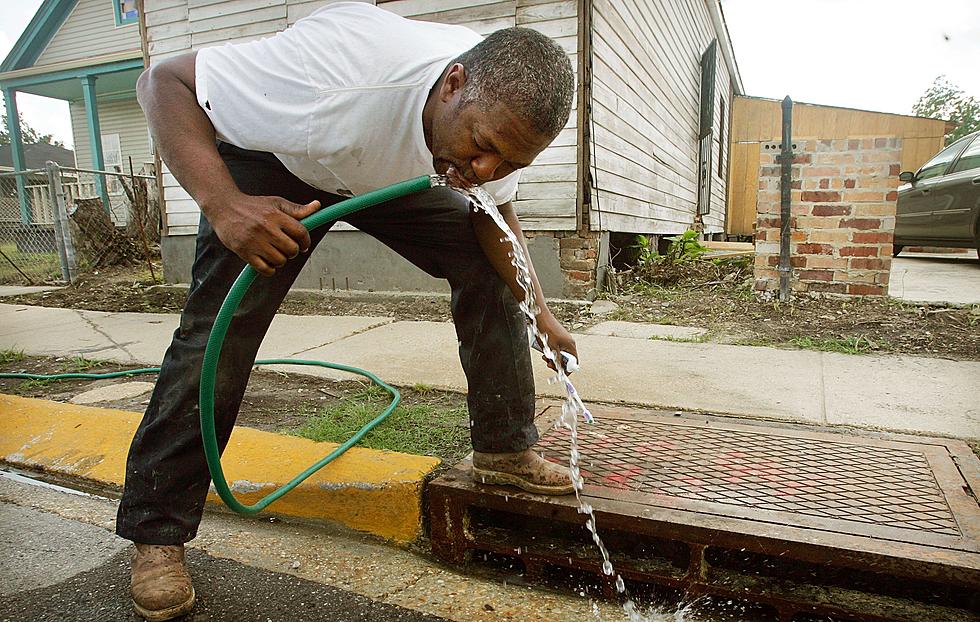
[(558, 338)]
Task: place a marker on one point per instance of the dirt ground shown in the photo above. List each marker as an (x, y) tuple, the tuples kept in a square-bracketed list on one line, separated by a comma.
[(716, 298)]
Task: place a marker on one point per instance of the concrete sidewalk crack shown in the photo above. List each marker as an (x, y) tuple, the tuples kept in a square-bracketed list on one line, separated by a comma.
[(355, 333), (117, 345), (389, 596)]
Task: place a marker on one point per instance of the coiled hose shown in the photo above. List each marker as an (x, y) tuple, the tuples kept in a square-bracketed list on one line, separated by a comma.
[(219, 330)]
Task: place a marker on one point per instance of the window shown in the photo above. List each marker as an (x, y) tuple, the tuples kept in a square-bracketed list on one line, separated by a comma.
[(113, 160), (126, 12), (721, 139), (937, 166), (970, 158)]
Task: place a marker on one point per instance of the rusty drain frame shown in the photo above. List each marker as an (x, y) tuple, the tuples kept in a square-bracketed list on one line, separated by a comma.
[(702, 548)]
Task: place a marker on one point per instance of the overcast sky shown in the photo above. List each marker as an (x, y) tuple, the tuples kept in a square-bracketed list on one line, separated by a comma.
[(868, 54)]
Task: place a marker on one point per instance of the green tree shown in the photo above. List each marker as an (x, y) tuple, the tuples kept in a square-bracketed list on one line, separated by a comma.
[(28, 134), (945, 100)]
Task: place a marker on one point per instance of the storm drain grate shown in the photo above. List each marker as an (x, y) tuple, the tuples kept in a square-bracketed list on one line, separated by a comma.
[(804, 523), (880, 485)]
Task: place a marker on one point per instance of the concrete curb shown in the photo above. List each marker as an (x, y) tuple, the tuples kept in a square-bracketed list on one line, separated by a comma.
[(378, 492)]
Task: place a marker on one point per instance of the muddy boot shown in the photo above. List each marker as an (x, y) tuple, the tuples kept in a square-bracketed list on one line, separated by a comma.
[(161, 586), (525, 469)]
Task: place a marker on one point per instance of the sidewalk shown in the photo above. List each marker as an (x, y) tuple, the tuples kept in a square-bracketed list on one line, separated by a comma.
[(908, 394)]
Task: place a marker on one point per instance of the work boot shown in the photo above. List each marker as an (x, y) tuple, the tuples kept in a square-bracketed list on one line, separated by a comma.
[(161, 586), (525, 469)]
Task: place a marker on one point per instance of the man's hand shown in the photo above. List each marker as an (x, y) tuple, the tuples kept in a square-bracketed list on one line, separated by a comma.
[(264, 231), (558, 338)]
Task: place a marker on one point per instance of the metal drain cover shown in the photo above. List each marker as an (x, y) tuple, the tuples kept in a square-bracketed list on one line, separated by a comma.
[(893, 505)]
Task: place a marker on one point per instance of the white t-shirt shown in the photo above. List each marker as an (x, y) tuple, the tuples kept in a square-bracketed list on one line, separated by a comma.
[(337, 97)]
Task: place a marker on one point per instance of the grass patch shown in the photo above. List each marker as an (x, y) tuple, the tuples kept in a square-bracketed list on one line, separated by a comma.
[(80, 364), (426, 429), (756, 341), (698, 339), (842, 345), (34, 384), (11, 356), (40, 267)]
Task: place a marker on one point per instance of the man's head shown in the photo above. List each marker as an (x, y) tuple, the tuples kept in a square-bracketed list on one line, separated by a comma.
[(499, 104)]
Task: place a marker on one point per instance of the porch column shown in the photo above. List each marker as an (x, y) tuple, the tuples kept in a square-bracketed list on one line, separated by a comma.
[(17, 152), (95, 135)]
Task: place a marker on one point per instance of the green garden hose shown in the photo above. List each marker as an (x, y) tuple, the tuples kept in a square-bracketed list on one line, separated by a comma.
[(213, 352)]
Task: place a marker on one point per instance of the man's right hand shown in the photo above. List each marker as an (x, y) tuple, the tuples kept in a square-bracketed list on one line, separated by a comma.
[(264, 231)]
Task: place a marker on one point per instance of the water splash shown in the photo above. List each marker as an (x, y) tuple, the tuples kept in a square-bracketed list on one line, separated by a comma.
[(572, 406)]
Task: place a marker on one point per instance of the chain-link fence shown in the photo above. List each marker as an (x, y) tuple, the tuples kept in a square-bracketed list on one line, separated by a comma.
[(58, 223)]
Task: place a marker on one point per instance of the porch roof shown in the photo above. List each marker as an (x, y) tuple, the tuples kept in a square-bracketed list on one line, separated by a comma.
[(116, 73)]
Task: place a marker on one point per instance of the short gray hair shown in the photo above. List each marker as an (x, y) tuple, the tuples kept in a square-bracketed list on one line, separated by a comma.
[(525, 70)]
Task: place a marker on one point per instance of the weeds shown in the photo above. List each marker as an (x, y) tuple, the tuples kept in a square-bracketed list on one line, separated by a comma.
[(11, 356), (757, 341), (80, 364), (422, 388), (698, 339), (843, 345), (33, 384)]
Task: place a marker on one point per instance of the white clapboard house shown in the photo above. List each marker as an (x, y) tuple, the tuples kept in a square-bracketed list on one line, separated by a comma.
[(89, 54), (645, 150)]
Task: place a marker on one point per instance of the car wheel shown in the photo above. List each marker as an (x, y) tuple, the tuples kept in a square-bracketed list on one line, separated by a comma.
[(896, 249)]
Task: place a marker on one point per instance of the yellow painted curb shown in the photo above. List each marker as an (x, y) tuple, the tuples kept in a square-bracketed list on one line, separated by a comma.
[(378, 492)]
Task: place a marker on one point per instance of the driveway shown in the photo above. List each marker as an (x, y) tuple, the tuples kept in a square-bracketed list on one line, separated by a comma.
[(935, 277)]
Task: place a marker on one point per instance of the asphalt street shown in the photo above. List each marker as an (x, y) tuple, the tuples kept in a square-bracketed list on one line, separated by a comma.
[(40, 582), (61, 561)]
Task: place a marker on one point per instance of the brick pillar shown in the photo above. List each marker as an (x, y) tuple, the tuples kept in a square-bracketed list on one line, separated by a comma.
[(843, 216), (578, 258)]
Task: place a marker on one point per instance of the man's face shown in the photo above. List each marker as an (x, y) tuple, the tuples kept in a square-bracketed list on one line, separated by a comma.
[(482, 145)]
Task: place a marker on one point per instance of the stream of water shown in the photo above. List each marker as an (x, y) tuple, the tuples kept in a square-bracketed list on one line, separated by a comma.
[(572, 406)]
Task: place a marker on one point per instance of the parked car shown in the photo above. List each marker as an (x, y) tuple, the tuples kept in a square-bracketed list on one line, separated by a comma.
[(939, 205)]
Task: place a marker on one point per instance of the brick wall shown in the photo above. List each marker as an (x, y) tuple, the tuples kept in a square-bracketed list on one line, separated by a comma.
[(843, 216), (578, 257)]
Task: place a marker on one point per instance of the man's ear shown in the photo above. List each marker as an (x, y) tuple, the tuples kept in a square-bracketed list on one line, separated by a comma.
[(454, 82)]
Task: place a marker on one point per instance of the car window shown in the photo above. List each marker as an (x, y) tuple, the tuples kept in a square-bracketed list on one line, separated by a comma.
[(970, 158), (937, 166)]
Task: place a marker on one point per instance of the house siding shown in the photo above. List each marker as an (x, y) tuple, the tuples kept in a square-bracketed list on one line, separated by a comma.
[(90, 30), (646, 92), (546, 197), (123, 117)]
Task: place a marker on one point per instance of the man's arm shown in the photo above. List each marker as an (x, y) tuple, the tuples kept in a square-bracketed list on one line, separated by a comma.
[(488, 234), (263, 231)]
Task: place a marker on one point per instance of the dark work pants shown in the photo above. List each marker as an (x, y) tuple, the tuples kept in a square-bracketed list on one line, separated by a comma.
[(167, 477)]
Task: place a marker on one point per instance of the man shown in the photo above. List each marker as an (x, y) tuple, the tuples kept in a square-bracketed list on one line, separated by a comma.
[(265, 133)]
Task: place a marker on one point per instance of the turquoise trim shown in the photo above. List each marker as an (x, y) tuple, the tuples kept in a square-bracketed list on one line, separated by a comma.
[(17, 152), (95, 135), (68, 74), (120, 20), (46, 22)]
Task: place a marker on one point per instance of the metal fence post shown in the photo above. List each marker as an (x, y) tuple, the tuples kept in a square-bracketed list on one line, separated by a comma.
[(62, 232), (785, 209)]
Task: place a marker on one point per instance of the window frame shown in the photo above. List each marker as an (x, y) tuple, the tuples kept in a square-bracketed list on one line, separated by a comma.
[(721, 136), (956, 153), (975, 143), (117, 13)]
